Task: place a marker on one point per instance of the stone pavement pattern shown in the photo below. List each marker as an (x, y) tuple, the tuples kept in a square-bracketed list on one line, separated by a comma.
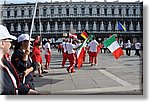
[(110, 76)]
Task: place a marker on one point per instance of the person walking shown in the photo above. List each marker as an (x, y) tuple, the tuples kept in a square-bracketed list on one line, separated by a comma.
[(36, 57), (47, 54), (64, 49), (21, 60), (128, 48), (93, 49), (137, 48), (70, 49)]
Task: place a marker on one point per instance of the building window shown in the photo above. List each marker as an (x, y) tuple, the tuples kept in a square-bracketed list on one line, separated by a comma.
[(75, 11), (37, 12), (134, 11), (8, 14), (120, 12), (82, 11), (112, 11), (98, 11), (59, 11), (105, 11), (90, 11), (22, 13), (127, 11), (67, 12), (141, 12), (52, 11), (15, 13), (44, 12), (30, 13)]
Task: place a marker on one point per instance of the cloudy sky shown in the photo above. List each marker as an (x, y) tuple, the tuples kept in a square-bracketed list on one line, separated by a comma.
[(24, 1)]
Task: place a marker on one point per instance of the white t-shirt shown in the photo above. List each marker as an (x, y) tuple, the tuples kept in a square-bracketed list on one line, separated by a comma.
[(70, 47), (128, 45), (47, 46), (93, 46), (64, 46), (137, 45)]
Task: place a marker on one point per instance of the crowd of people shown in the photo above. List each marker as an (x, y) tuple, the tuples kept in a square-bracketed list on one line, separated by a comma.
[(18, 72)]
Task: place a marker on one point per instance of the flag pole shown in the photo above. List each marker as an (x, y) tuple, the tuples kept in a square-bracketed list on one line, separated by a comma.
[(32, 22), (40, 26), (31, 31)]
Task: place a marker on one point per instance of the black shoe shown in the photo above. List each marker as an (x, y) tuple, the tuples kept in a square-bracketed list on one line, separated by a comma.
[(34, 76), (68, 70), (40, 75), (44, 72)]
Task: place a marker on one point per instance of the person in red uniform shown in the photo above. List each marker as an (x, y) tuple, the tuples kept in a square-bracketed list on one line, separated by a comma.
[(93, 50), (37, 57), (64, 52), (47, 54), (70, 48), (36, 41)]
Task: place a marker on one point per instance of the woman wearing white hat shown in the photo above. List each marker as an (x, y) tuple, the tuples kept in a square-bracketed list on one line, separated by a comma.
[(10, 82), (21, 60)]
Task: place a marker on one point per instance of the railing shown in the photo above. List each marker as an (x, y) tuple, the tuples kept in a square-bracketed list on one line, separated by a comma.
[(75, 15), (79, 32)]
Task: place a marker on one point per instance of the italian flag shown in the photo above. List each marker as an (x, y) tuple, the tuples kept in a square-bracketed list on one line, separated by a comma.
[(113, 46), (80, 53)]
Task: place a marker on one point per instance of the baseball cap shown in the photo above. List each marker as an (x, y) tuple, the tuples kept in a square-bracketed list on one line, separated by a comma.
[(24, 37), (4, 34)]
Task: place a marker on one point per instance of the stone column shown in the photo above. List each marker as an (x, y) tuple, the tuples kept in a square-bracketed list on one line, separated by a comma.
[(116, 26), (131, 26), (63, 26), (94, 26), (71, 26), (87, 26), (26, 27), (12, 27), (56, 26), (19, 27), (11, 13), (48, 27), (26, 12), (138, 27), (79, 26), (19, 12), (109, 26), (102, 26)]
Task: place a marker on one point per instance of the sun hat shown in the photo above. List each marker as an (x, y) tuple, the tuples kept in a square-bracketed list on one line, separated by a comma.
[(4, 34), (24, 37)]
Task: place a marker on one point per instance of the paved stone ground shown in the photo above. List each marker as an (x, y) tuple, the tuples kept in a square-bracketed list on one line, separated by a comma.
[(110, 76)]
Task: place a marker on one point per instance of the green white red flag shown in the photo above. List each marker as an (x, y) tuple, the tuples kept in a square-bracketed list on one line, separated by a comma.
[(113, 46), (80, 53)]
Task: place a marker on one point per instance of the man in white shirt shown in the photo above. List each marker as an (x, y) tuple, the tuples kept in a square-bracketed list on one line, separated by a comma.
[(47, 53), (64, 52), (93, 50), (128, 48), (71, 56), (137, 48)]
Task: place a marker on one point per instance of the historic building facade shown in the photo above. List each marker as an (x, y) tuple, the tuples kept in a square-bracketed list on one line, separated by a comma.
[(57, 18)]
